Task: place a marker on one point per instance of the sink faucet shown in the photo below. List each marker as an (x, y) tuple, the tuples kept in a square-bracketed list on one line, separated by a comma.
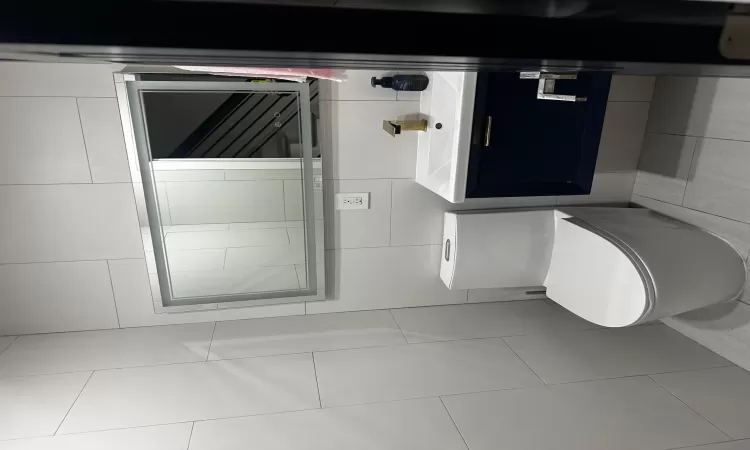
[(394, 127)]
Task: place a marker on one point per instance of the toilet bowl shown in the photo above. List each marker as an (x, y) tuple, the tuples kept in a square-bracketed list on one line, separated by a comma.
[(611, 266)]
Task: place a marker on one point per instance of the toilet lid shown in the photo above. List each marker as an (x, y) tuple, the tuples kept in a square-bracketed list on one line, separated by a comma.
[(598, 277)]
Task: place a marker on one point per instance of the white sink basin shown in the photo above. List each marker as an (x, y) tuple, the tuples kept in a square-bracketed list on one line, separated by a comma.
[(443, 154)]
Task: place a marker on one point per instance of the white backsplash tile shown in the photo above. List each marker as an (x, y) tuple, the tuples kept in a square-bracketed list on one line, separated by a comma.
[(360, 148)]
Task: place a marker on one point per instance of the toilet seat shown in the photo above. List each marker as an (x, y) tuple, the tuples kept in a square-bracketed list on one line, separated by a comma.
[(611, 266), (588, 265)]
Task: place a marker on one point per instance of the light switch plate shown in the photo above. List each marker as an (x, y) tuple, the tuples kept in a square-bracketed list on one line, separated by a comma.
[(353, 200)]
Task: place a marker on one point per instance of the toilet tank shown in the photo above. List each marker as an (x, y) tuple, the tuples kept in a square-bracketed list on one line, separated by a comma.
[(495, 249)]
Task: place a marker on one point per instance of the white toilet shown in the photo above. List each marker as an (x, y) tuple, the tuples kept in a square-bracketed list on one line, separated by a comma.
[(611, 266)]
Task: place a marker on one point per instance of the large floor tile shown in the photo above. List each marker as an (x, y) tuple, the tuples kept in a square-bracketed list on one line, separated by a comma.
[(50, 297), (481, 320), (164, 437), (348, 377), (194, 391), (385, 277), (408, 425), (720, 395), (280, 335), (35, 406), (624, 414), (596, 354), (106, 349), (235, 281), (719, 181)]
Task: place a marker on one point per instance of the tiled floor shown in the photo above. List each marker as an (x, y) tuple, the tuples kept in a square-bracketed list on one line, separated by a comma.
[(511, 376)]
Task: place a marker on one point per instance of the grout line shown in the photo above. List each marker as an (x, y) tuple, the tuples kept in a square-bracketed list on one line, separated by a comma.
[(399, 326), (224, 265), (142, 258), (211, 342), (190, 438), (700, 137), (454, 422), (83, 136), (74, 402), (390, 217), (690, 170), (283, 197), (114, 299), (317, 384), (13, 339), (710, 445), (524, 362), (681, 401), (67, 184)]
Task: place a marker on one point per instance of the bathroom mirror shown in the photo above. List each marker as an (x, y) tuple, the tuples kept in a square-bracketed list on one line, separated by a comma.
[(228, 176)]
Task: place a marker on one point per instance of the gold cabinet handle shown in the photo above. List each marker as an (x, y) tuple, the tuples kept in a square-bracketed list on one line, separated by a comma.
[(488, 132)]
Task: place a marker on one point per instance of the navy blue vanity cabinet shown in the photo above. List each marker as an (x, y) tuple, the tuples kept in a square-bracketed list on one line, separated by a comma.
[(524, 146)]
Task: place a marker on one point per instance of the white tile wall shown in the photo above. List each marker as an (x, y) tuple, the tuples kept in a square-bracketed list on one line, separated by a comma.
[(615, 187), (417, 214), (293, 201), (357, 87), (359, 228), (57, 80), (49, 297), (719, 183), (41, 141), (359, 146), (135, 305), (385, 277), (664, 167), (704, 107), (622, 136), (105, 143), (68, 222), (626, 88)]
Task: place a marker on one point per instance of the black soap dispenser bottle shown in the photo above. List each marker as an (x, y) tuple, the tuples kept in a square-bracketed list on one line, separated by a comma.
[(402, 82)]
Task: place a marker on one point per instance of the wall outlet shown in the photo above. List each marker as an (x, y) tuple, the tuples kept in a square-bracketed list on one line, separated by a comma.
[(352, 200)]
